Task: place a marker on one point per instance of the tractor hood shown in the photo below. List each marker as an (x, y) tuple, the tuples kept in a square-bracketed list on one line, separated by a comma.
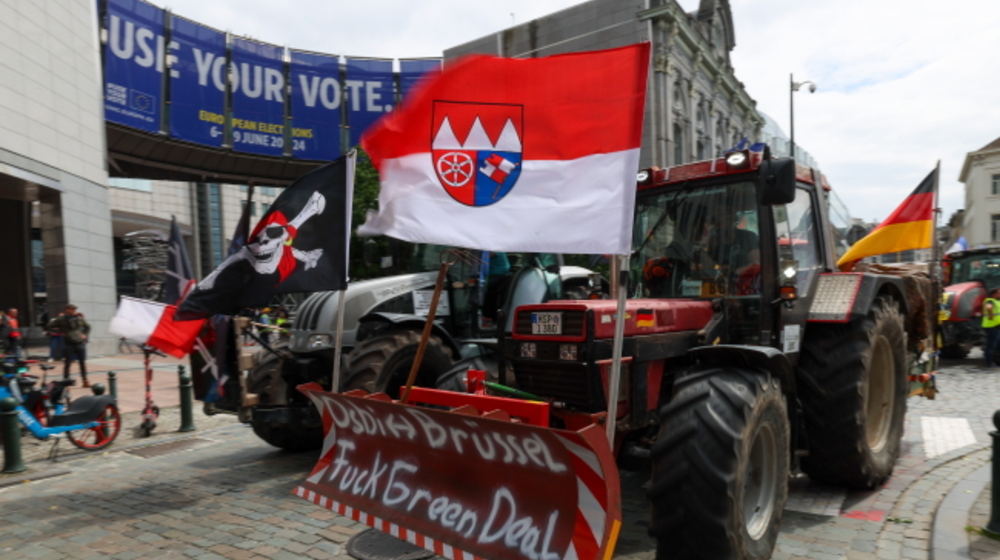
[(963, 301), (315, 325), (567, 320)]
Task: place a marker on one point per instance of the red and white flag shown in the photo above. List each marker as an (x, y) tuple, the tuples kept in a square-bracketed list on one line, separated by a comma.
[(535, 155), (152, 323)]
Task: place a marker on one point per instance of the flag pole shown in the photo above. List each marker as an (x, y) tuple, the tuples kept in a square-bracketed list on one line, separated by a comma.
[(935, 251), (936, 276), (446, 262), (616, 349), (338, 346)]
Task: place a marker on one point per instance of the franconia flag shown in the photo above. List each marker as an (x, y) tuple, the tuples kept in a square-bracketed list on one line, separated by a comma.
[(910, 226), (499, 154), (152, 323)]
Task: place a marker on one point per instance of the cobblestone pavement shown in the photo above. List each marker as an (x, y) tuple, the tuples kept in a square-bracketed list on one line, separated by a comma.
[(225, 494)]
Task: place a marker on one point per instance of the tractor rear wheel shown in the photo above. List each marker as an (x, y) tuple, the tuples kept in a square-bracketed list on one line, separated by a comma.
[(853, 387), (381, 364), (720, 466)]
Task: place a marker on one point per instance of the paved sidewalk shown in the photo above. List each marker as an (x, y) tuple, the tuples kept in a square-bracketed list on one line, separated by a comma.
[(981, 546), (129, 369)]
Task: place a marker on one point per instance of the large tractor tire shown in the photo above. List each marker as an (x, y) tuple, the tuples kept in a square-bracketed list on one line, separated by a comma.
[(265, 382), (853, 387), (381, 364), (720, 466)]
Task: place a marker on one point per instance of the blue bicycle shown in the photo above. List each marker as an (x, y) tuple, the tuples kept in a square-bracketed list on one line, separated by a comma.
[(90, 422)]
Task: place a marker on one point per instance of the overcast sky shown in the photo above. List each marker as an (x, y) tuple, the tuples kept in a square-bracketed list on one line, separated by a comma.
[(902, 83)]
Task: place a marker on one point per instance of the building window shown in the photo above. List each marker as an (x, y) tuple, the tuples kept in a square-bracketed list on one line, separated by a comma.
[(264, 207), (701, 150), (995, 189), (995, 227), (267, 191), (678, 145), (253, 207)]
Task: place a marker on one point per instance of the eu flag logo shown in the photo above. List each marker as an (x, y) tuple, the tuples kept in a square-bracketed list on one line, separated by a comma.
[(142, 102)]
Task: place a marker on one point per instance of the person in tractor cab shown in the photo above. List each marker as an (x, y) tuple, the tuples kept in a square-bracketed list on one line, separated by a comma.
[(702, 244), (991, 326)]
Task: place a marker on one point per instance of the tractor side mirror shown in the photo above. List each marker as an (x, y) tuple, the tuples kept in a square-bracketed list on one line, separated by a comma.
[(776, 181)]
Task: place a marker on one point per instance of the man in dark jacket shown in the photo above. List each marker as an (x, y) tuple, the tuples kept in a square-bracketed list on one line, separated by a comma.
[(75, 330)]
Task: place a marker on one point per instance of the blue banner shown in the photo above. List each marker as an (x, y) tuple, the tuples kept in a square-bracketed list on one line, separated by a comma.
[(370, 93), (410, 72), (316, 101), (197, 83), (258, 98), (133, 65)]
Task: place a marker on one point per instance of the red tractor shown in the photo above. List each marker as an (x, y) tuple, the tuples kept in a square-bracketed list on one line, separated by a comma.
[(970, 275), (746, 356)]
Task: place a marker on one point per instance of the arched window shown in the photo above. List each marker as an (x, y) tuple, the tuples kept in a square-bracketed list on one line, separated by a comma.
[(678, 144), (701, 150)]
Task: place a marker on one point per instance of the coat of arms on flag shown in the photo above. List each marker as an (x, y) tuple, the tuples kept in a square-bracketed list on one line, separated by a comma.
[(484, 165)]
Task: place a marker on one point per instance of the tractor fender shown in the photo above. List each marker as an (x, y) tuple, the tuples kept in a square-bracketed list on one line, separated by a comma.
[(851, 295), (378, 322), (738, 355)]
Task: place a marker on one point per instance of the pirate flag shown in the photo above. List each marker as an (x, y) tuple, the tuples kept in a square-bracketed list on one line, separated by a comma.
[(299, 245)]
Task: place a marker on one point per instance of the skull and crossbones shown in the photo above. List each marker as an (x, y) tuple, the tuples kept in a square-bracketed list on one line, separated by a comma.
[(270, 249)]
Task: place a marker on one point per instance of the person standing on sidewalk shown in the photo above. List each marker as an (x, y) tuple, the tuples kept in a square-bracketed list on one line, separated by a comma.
[(991, 325), (55, 340), (75, 330), (13, 334)]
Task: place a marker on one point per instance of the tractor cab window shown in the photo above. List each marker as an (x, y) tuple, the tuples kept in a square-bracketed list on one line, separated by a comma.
[(797, 238), (978, 267), (698, 243)]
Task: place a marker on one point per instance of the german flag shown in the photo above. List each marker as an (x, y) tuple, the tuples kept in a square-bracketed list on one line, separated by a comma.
[(645, 318), (910, 226)]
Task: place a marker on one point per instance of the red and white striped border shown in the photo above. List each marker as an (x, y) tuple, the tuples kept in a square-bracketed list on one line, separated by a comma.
[(592, 503), (401, 533)]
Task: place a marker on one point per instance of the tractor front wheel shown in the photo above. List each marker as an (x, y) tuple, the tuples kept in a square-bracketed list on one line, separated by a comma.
[(381, 364), (720, 466)]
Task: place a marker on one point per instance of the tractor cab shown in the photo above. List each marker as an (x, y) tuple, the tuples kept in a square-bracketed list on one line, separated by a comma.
[(969, 277), (741, 236)]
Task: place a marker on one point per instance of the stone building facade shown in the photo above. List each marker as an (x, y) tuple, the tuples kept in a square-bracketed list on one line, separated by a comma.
[(696, 107), (981, 176)]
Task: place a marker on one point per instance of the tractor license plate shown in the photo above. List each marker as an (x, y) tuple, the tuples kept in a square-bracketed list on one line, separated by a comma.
[(546, 322)]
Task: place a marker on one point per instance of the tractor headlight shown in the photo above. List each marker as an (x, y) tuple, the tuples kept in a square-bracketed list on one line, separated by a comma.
[(529, 350), (737, 160), (567, 352), (319, 341)]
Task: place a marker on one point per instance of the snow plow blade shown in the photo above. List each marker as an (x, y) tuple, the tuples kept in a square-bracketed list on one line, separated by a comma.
[(466, 483)]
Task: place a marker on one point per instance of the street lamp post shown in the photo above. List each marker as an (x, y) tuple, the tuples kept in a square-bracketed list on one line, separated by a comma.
[(794, 87)]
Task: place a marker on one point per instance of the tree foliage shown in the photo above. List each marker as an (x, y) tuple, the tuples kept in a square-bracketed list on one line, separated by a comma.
[(373, 257)]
